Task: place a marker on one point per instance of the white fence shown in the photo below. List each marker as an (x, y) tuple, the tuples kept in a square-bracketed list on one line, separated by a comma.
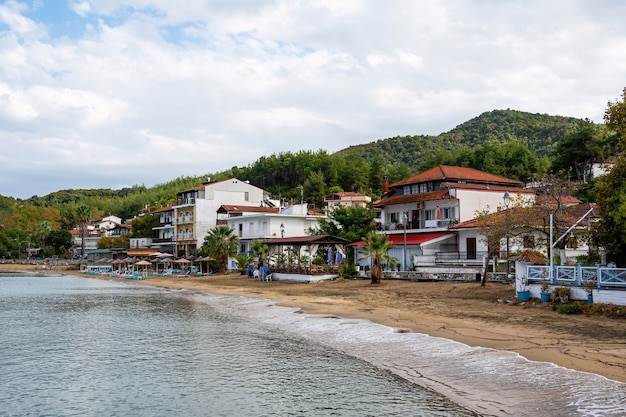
[(598, 276)]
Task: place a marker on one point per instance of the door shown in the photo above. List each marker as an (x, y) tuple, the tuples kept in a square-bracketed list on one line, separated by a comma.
[(471, 247)]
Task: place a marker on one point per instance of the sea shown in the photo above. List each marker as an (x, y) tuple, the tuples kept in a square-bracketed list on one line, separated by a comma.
[(75, 346)]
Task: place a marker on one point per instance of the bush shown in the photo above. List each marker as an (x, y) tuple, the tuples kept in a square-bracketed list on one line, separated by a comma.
[(347, 271), (589, 260), (560, 295), (570, 309)]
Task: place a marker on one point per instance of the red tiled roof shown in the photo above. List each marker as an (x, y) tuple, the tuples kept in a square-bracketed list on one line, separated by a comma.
[(573, 214), (452, 173), (563, 199), (228, 208), (166, 208), (411, 238), (413, 198), (489, 187)]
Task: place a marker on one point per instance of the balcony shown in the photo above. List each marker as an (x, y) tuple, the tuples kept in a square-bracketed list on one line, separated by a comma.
[(183, 219), (185, 202), (183, 236)]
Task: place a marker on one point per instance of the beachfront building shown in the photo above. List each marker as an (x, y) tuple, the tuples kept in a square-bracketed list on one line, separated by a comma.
[(195, 209), (534, 233), (256, 223), (345, 199), (163, 230), (417, 212)]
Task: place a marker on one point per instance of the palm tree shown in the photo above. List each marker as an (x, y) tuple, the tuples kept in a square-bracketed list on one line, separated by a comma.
[(220, 243), (243, 260), (377, 249), (42, 232), (259, 250), (83, 213)]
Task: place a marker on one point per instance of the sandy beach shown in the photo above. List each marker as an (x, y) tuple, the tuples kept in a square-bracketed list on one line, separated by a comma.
[(464, 312)]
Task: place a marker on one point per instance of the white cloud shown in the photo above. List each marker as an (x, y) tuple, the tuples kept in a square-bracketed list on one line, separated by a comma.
[(157, 89), (81, 8)]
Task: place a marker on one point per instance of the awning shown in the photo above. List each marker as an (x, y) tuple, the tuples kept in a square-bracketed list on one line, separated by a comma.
[(412, 238)]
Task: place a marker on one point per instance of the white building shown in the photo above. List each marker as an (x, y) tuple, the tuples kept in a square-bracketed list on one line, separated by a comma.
[(253, 223), (195, 209), (416, 212)]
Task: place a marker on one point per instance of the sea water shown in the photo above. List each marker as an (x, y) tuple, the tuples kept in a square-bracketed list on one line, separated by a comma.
[(72, 346)]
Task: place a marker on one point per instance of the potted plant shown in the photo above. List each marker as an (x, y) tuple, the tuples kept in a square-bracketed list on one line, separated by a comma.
[(523, 293), (545, 292), (589, 286)]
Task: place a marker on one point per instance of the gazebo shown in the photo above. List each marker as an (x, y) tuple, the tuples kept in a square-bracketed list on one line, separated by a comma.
[(307, 246)]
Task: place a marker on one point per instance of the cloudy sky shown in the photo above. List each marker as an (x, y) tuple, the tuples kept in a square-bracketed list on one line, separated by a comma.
[(111, 93)]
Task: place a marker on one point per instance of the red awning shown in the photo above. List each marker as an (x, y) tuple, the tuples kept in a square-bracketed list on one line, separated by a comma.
[(411, 238)]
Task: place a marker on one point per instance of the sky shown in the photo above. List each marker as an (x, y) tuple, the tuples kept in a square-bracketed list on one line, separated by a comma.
[(114, 93)]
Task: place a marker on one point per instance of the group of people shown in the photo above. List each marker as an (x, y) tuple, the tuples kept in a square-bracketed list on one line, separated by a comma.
[(262, 272)]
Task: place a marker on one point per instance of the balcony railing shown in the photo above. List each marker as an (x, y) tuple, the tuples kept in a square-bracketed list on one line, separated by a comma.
[(184, 236), (183, 219), (460, 256), (185, 201)]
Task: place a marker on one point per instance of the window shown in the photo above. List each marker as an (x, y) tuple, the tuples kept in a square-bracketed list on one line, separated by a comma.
[(406, 190), (393, 218), (429, 214), (414, 189), (448, 213), (246, 196)]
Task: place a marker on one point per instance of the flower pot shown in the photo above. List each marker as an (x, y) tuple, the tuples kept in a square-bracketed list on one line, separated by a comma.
[(590, 299), (546, 297), (523, 295)]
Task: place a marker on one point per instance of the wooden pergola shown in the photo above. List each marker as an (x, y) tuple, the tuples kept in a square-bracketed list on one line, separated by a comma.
[(310, 245)]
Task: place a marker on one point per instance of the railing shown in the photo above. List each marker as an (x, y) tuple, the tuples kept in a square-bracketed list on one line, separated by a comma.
[(612, 277), (459, 256), (183, 236), (184, 201), (183, 219), (602, 277)]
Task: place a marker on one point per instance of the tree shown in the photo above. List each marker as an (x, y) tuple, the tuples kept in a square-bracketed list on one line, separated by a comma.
[(220, 243), (493, 227), (243, 260), (579, 147), (315, 188), (611, 188), (259, 250), (42, 232), (377, 249), (60, 240), (83, 214), (142, 225)]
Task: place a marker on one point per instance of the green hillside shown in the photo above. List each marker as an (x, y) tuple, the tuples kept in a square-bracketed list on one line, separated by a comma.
[(538, 132), (505, 142)]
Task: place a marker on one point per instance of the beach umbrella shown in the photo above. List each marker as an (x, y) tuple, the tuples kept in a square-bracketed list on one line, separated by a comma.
[(144, 264), (182, 261)]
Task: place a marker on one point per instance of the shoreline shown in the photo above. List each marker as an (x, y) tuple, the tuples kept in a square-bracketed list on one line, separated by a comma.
[(463, 312)]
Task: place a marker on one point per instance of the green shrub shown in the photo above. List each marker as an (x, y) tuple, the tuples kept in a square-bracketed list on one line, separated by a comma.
[(570, 309), (560, 295), (347, 271)]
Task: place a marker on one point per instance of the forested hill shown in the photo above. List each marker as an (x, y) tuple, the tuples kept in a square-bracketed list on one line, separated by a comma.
[(510, 143), (538, 132)]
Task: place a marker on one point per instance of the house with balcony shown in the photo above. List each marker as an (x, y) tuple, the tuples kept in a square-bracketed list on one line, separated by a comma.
[(195, 210), (256, 223), (163, 230), (417, 212), (346, 199)]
